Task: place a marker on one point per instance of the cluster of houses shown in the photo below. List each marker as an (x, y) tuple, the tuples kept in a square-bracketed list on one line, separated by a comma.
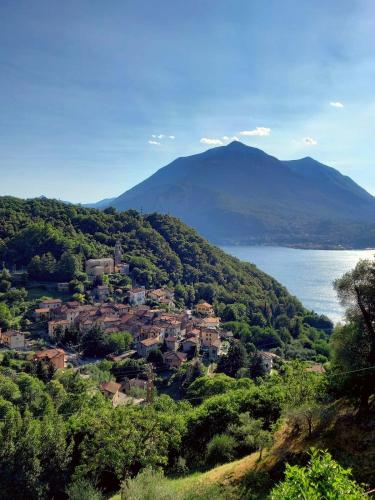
[(178, 333), (149, 315)]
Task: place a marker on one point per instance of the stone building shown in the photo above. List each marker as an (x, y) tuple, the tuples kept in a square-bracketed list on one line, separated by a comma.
[(98, 267)]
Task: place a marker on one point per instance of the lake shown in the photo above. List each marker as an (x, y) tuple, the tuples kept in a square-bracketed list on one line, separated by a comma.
[(307, 274)]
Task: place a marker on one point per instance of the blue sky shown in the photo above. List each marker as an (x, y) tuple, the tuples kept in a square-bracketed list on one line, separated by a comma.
[(86, 87)]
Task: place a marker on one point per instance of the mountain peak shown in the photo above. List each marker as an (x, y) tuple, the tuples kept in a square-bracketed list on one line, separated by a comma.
[(240, 146), (238, 193), (237, 144)]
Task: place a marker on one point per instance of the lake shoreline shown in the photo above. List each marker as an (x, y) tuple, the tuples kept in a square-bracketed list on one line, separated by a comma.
[(297, 246), (308, 274)]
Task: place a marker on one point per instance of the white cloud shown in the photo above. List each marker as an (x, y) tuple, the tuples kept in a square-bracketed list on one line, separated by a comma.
[(336, 104), (155, 143), (172, 137), (310, 141), (258, 131), (226, 138), (211, 142)]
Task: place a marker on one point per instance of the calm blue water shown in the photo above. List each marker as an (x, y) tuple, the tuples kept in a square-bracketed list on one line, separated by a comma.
[(308, 274)]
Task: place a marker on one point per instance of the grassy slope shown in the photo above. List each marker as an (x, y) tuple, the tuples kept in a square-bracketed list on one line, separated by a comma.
[(350, 439)]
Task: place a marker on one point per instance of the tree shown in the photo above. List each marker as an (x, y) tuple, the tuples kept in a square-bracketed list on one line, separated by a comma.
[(356, 291), (323, 478), (68, 266), (78, 297), (34, 267), (44, 370), (5, 285), (144, 438), (47, 266), (351, 373), (5, 275), (129, 368), (32, 391), (191, 372), (264, 439), (81, 489), (6, 360), (234, 360), (301, 391), (93, 342), (250, 434), (118, 342), (147, 485), (205, 291), (155, 357), (354, 344), (220, 449), (234, 312), (5, 316), (256, 366), (57, 392), (9, 390), (206, 386)]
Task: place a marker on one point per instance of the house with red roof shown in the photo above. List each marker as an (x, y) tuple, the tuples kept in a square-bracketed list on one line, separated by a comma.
[(54, 356), (146, 346), (173, 360)]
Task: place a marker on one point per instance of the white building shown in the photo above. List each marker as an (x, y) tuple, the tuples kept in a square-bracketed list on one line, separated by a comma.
[(137, 296), (13, 339)]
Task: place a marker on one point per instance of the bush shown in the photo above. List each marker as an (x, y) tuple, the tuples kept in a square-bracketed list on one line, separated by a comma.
[(210, 492), (220, 449), (255, 485), (322, 478), (152, 485), (147, 485), (83, 490)]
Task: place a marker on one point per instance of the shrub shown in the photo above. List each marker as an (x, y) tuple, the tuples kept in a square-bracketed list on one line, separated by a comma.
[(147, 485), (81, 489), (322, 478), (220, 449)]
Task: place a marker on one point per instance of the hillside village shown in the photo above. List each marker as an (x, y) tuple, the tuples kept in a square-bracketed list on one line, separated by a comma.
[(151, 316)]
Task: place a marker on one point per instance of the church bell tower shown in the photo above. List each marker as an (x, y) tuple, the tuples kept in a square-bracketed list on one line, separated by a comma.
[(118, 253)]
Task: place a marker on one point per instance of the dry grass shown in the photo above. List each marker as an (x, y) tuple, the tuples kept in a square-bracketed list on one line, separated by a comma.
[(351, 441)]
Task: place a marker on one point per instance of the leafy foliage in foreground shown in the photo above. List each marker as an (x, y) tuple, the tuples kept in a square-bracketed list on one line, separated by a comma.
[(323, 478)]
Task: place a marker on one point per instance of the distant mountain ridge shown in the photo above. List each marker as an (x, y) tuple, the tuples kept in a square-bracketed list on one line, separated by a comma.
[(237, 194), (99, 204)]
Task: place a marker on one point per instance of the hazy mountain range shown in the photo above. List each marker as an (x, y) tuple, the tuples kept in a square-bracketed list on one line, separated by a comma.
[(239, 194)]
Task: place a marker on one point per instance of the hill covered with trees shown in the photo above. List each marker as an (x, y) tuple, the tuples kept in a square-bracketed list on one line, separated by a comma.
[(52, 240)]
